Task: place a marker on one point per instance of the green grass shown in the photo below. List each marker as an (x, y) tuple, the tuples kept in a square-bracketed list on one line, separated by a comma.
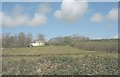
[(42, 50), (60, 60), (51, 50)]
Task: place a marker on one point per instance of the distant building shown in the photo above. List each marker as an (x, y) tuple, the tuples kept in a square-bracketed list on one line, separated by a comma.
[(37, 43)]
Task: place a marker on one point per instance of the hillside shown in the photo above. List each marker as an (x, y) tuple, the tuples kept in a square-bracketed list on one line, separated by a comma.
[(58, 60)]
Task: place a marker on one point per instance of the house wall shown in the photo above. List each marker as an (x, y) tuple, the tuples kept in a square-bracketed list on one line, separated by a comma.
[(37, 44), (41, 44)]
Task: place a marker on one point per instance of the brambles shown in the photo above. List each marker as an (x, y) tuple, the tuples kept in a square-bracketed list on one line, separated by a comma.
[(109, 46), (58, 60), (65, 65)]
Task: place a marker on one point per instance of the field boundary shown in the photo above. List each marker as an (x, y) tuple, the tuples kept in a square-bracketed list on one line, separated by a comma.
[(23, 55)]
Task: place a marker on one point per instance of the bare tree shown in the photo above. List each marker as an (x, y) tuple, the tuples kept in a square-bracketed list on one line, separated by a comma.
[(28, 39), (13, 41), (5, 39), (21, 39), (41, 37)]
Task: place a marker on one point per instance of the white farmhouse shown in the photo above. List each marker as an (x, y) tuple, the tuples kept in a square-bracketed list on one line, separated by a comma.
[(37, 43)]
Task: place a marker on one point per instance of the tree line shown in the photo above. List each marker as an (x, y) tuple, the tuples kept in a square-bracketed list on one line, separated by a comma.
[(67, 40), (23, 40), (85, 43), (20, 40), (77, 41)]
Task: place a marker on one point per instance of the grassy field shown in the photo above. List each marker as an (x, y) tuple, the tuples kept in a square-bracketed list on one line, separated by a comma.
[(60, 60)]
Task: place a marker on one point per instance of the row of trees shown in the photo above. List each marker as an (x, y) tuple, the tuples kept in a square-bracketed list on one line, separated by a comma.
[(77, 41), (23, 40), (67, 40), (85, 43), (20, 40)]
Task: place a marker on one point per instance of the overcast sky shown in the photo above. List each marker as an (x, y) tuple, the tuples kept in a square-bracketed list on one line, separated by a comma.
[(92, 19)]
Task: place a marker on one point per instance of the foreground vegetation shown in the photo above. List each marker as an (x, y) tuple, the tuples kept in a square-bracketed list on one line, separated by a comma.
[(58, 60)]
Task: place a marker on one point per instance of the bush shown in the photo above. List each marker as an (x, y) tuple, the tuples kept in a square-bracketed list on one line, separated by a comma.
[(97, 45), (62, 65)]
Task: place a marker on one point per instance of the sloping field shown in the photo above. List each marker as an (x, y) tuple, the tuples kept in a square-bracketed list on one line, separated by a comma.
[(51, 50), (58, 60), (48, 50)]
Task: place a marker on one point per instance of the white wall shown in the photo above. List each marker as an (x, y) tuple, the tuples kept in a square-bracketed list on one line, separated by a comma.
[(37, 44)]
